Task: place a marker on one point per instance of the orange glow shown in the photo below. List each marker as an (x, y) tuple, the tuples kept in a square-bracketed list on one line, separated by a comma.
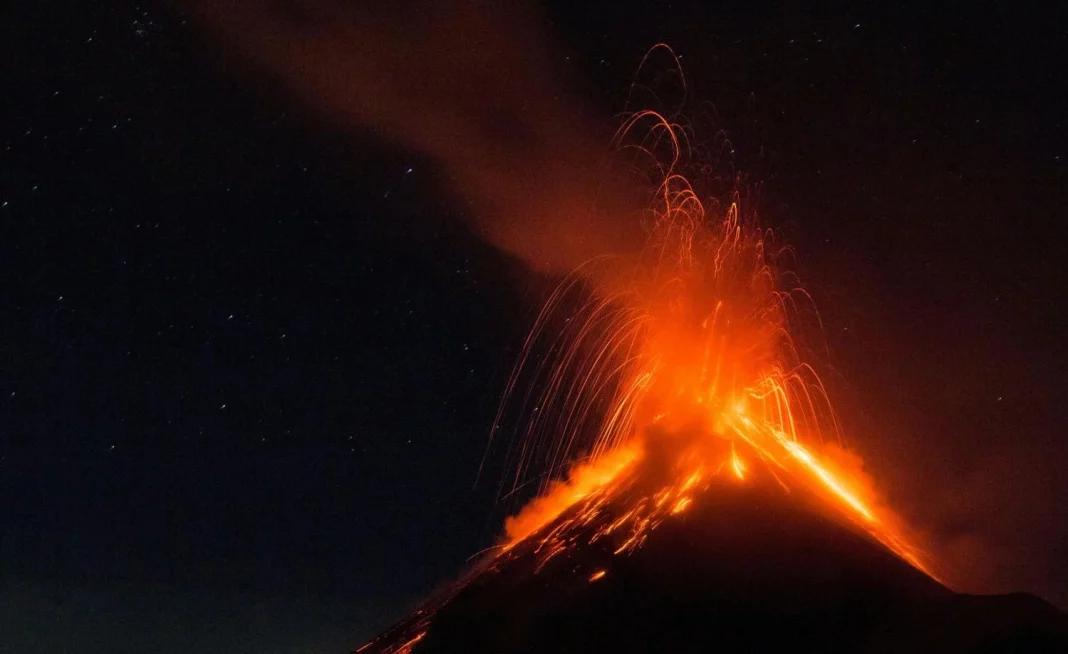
[(681, 505), (406, 647), (597, 575), (584, 480), (802, 455), (736, 463), (687, 351)]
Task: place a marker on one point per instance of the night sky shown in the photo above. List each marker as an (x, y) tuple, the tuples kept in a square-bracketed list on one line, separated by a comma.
[(251, 352)]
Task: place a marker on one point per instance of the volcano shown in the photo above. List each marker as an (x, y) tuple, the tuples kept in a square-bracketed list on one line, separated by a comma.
[(708, 501), (748, 567)]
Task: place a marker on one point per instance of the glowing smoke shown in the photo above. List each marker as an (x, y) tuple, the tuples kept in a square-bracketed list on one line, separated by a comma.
[(468, 83)]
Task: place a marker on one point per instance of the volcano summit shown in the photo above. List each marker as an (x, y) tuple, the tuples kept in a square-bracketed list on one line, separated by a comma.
[(746, 568)]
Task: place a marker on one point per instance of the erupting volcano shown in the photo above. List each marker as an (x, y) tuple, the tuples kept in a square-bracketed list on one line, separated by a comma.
[(693, 459)]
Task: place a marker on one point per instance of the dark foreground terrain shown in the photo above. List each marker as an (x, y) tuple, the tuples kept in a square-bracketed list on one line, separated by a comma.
[(746, 570)]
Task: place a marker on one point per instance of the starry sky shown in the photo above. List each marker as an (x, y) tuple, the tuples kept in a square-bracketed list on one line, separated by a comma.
[(250, 355)]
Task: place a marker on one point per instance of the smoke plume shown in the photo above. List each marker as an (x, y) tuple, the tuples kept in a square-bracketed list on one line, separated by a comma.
[(469, 84)]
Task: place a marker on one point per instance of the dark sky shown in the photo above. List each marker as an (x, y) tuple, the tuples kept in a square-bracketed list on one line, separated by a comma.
[(251, 353)]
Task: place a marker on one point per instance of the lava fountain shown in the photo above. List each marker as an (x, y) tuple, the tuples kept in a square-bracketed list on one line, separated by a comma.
[(679, 365)]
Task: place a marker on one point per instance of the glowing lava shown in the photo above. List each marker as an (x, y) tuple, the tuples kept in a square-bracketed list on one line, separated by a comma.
[(683, 365)]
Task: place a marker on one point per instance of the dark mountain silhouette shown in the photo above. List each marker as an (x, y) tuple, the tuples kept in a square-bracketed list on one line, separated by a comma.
[(748, 568)]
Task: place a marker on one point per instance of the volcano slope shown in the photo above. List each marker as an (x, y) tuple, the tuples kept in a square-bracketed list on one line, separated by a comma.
[(746, 568)]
